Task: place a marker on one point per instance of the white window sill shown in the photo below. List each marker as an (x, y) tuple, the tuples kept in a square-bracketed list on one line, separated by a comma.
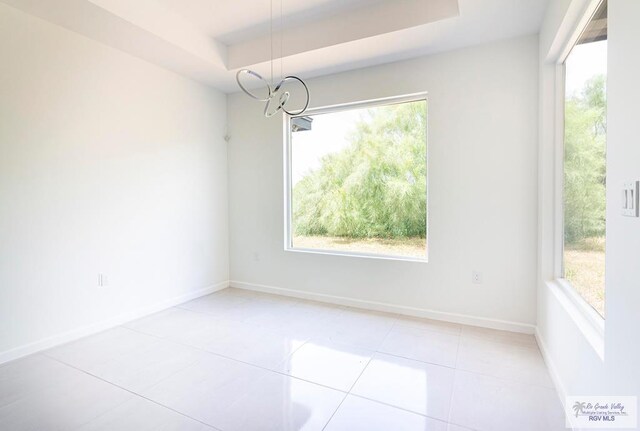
[(588, 321), (357, 254)]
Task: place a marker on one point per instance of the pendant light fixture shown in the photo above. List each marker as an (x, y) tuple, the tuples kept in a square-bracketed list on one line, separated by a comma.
[(269, 93)]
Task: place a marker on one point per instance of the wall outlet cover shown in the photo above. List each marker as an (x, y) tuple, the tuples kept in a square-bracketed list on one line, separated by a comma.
[(476, 277)]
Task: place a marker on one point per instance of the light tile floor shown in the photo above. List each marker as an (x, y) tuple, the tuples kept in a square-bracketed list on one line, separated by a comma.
[(244, 361)]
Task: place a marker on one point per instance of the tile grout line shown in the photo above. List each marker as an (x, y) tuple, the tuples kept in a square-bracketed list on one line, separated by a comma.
[(398, 408), (236, 360), (395, 324), (455, 368), (185, 367), (376, 350), (141, 333), (350, 389), (335, 411), (223, 319), (135, 394), (459, 336), (453, 383)]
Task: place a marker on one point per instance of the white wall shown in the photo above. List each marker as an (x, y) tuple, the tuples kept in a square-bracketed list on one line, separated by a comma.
[(482, 184), (577, 367), (622, 341), (108, 164)]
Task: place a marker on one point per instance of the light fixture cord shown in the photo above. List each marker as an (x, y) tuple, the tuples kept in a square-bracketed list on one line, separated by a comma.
[(281, 41), (271, 34)]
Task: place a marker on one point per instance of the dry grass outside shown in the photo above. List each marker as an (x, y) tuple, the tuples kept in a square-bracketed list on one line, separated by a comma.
[(584, 267), (404, 247)]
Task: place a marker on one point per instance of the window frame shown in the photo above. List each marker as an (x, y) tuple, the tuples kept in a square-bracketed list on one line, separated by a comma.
[(287, 165), (570, 293)]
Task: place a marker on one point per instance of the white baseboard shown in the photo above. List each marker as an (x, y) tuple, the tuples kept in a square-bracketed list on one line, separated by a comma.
[(66, 337), (390, 308), (553, 371)]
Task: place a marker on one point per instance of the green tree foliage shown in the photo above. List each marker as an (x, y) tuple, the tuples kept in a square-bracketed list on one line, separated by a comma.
[(376, 186), (585, 162)]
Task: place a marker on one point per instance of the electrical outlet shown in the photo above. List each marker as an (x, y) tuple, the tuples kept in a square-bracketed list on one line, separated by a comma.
[(476, 277), (103, 280)]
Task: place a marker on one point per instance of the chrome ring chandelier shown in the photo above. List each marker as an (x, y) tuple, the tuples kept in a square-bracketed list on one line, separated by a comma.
[(274, 93), (277, 93)]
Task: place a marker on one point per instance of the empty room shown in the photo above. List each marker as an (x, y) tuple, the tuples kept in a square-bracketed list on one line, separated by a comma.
[(319, 215)]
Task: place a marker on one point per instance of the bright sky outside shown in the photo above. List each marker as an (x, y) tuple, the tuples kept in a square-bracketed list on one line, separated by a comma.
[(584, 62), (328, 134)]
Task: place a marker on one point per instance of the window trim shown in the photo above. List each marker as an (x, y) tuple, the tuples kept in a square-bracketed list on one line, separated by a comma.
[(574, 302), (288, 237)]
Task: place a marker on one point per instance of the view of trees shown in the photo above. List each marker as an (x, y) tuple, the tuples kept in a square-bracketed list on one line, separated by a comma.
[(584, 189), (585, 169), (376, 186)]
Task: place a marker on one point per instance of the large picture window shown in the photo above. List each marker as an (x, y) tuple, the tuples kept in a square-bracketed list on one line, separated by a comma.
[(585, 136), (357, 179)]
